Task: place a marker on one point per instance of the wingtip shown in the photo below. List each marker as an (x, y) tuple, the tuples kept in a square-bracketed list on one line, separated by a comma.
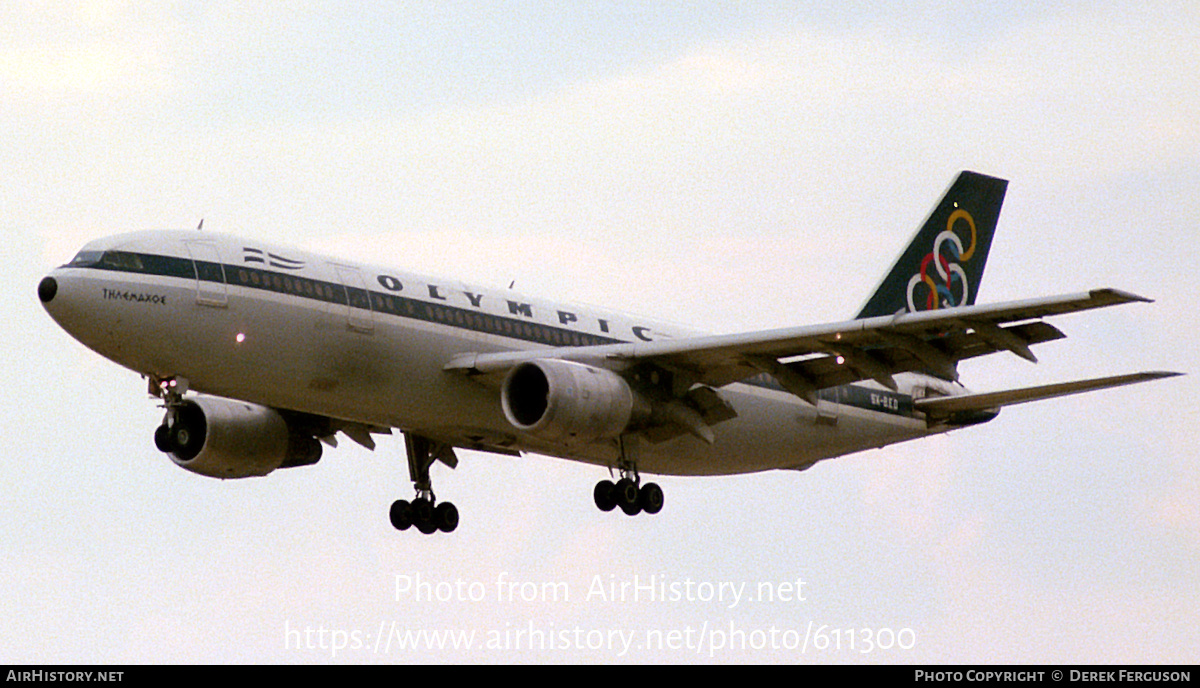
[(1161, 374), (1120, 295)]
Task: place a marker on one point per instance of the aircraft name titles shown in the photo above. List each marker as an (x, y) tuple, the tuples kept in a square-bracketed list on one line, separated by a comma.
[(135, 297), (567, 318)]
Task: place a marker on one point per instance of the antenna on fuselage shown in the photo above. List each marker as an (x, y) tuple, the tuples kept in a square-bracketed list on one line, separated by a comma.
[(200, 227)]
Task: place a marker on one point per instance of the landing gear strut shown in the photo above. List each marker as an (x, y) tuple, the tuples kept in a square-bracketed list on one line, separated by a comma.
[(628, 493), (180, 433), (424, 512)]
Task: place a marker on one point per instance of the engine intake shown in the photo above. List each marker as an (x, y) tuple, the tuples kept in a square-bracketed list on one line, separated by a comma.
[(568, 402), (223, 438)]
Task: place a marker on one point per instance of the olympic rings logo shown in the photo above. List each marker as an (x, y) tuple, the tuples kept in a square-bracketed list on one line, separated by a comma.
[(946, 285)]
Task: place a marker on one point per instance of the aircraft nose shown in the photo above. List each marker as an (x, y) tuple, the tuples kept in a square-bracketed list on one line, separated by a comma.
[(47, 289)]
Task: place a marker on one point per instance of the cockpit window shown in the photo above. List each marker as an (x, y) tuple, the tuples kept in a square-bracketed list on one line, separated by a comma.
[(112, 260), (120, 260), (85, 259)]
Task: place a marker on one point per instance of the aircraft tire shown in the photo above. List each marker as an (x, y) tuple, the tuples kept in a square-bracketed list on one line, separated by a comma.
[(626, 493), (650, 498), (605, 495), (446, 517), (401, 514), (422, 515), (162, 438)]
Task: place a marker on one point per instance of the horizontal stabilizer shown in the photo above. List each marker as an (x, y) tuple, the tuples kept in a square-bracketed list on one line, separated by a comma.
[(944, 406)]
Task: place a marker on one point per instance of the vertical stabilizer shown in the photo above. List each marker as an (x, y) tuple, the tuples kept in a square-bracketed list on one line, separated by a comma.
[(943, 264)]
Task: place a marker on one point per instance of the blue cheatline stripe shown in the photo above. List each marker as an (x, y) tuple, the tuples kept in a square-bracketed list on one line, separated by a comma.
[(335, 293), (414, 309)]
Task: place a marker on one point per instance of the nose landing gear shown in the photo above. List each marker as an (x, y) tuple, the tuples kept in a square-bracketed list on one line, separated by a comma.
[(180, 433)]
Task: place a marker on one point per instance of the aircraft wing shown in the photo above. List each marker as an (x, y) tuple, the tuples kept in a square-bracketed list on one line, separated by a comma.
[(807, 359)]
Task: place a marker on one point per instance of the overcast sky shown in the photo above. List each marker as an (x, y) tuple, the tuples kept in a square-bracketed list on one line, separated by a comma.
[(730, 166)]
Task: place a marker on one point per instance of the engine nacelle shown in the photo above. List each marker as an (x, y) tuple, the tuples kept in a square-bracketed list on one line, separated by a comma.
[(568, 402), (223, 438)]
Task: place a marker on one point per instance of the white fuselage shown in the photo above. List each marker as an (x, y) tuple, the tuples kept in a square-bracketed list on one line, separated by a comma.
[(292, 330)]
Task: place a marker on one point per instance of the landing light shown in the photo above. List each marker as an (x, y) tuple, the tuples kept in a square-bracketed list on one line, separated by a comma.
[(241, 337), (840, 360)]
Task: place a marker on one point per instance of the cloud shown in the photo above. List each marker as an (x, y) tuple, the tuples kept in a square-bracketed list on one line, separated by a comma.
[(97, 48), (1178, 511)]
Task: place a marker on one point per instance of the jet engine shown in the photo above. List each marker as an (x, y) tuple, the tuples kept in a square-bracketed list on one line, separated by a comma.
[(223, 438), (568, 402)]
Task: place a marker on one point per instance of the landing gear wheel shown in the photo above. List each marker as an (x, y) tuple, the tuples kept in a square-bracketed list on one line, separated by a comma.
[(422, 515), (162, 438), (445, 516), (401, 514), (650, 498), (605, 495), (626, 493)]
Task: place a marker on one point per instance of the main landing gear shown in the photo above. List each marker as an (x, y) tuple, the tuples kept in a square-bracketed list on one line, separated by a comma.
[(628, 493), (425, 512)]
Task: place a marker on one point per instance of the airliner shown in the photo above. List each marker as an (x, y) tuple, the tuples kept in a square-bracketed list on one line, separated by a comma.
[(261, 354)]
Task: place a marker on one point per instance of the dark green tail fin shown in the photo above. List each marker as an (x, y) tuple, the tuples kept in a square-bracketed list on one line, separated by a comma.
[(943, 264)]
